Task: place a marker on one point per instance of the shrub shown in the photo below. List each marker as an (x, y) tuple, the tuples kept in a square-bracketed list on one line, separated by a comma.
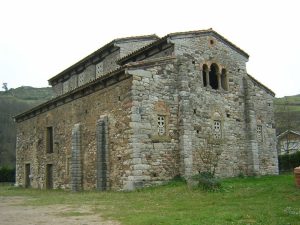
[(7, 174), (288, 162), (207, 181)]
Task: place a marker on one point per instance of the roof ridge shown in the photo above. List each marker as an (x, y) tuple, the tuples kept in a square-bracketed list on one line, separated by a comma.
[(99, 50), (265, 87), (149, 36)]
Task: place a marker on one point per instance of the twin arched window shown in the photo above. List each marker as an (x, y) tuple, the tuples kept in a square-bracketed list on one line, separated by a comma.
[(213, 77)]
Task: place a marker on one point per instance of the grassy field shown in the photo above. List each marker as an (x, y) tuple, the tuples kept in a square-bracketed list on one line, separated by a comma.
[(264, 200)]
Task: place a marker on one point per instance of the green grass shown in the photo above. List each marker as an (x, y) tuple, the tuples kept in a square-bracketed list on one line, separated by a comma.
[(264, 200), (291, 102)]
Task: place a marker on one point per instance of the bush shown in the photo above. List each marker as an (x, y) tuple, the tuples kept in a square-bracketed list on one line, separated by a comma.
[(288, 162), (207, 181), (7, 174)]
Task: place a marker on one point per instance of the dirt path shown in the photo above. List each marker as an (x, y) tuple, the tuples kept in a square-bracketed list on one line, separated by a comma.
[(12, 212)]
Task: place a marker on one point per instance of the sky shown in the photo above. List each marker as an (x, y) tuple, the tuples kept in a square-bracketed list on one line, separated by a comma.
[(41, 38)]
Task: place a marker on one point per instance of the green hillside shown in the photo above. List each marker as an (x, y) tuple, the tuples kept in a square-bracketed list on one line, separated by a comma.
[(13, 102), (287, 113)]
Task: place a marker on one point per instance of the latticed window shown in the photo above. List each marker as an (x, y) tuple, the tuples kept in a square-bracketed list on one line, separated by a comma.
[(81, 79), (217, 129), (259, 132), (161, 124), (99, 69)]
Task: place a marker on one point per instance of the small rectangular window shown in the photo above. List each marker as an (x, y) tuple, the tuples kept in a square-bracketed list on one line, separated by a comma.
[(217, 129), (99, 69), (49, 140), (259, 132), (161, 125)]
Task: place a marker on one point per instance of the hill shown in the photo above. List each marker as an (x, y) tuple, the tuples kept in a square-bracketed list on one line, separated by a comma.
[(13, 102), (287, 113)]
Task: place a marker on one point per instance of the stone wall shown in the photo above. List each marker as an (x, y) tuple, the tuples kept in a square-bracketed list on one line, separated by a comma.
[(201, 106), (266, 135), (155, 158), (113, 101), (154, 125)]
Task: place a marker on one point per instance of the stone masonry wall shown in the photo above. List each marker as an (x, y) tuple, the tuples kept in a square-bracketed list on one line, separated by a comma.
[(200, 106), (264, 114), (113, 101), (155, 158)]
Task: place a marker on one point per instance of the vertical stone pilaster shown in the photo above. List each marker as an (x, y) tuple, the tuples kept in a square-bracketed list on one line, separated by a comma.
[(184, 126), (76, 166), (102, 153), (252, 144)]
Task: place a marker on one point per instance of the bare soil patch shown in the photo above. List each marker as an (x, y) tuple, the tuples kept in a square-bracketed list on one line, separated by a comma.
[(13, 211)]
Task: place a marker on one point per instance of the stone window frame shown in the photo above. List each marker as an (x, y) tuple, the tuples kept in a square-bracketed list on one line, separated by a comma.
[(221, 82)]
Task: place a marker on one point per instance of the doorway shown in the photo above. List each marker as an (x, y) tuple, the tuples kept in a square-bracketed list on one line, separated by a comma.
[(27, 176), (49, 176)]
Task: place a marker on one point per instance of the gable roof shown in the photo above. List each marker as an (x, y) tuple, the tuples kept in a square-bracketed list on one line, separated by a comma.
[(268, 90), (288, 131), (96, 55), (183, 34)]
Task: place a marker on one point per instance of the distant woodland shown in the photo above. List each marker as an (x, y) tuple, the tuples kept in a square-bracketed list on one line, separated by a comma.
[(15, 101), (287, 113)]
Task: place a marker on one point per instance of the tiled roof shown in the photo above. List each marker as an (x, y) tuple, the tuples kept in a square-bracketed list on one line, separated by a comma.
[(140, 50), (288, 131), (100, 50), (53, 103), (187, 33)]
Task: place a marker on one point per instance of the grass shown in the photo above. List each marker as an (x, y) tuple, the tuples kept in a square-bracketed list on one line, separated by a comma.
[(263, 200)]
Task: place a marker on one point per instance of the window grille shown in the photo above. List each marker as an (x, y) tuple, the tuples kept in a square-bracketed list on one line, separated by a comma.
[(161, 125), (217, 129), (259, 132), (99, 69), (81, 79)]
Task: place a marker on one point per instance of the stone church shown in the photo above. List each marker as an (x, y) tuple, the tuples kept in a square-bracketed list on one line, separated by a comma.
[(137, 111)]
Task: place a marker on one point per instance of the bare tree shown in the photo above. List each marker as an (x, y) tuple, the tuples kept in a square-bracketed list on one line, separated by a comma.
[(209, 156), (5, 86)]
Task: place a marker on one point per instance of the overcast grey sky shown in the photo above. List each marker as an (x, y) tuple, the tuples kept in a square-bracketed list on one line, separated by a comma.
[(40, 38)]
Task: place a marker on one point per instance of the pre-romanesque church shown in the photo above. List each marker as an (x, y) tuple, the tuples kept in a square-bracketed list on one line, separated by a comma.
[(137, 111)]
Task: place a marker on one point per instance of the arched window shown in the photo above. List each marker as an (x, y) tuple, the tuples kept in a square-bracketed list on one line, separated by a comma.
[(224, 82), (213, 76), (205, 75)]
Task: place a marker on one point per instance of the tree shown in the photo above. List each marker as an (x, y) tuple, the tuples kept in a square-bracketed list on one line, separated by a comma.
[(209, 156), (207, 163), (5, 86)]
